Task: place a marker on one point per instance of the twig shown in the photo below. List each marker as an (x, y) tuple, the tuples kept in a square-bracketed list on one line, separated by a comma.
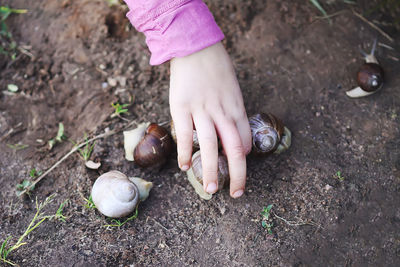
[(373, 26), (386, 46), (299, 223), (159, 224), (11, 131), (72, 151), (26, 52), (393, 58), (331, 15)]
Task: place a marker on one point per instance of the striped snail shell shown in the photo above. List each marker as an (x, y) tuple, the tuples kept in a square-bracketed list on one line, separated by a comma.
[(267, 131), (195, 174)]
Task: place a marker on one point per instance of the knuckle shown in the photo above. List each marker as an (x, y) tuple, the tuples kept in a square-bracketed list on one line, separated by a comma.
[(208, 141), (184, 136), (237, 152), (240, 115)]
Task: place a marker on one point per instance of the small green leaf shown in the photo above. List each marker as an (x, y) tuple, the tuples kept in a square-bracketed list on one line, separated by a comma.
[(32, 173), (264, 224), (12, 88), (60, 133), (52, 142), (269, 207)]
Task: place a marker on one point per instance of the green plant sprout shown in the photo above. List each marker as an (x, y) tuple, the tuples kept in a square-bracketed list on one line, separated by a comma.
[(114, 222), (59, 216), (27, 183), (18, 146), (118, 223), (119, 109), (35, 173), (87, 150), (322, 10), (59, 138), (266, 218), (8, 46), (338, 175), (6, 248), (89, 203)]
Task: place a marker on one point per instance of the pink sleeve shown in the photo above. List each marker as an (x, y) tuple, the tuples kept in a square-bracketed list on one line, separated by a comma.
[(174, 28)]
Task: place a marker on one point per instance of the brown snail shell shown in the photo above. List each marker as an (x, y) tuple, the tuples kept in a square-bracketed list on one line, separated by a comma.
[(266, 131), (370, 77), (154, 148), (195, 174)]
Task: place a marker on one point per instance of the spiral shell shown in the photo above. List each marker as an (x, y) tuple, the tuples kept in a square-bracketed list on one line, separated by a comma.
[(266, 131), (195, 174), (154, 148), (114, 195), (370, 77)]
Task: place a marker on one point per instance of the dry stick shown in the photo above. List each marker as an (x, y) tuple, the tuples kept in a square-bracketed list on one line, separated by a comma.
[(293, 223), (373, 26), (331, 15), (11, 131), (73, 150)]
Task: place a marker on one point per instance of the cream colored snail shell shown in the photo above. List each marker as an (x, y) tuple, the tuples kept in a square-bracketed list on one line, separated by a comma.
[(115, 195), (195, 174)]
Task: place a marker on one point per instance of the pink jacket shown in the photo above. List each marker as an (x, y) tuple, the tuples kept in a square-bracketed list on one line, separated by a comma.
[(174, 28)]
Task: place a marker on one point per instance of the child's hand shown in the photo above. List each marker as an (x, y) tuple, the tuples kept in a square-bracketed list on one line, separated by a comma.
[(205, 93)]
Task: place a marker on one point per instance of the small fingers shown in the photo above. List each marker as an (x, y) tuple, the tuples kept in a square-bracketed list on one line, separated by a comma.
[(209, 151), (184, 135), (245, 133), (236, 154)]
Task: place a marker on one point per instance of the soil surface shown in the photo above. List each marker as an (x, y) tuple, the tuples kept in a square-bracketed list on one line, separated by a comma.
[(83, 55)]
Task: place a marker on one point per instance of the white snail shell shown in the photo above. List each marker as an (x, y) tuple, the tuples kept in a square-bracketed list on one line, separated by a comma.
[(115, 195)]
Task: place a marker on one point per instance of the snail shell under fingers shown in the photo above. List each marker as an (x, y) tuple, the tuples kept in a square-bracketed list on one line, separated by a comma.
[(195, 174), (196, 144)]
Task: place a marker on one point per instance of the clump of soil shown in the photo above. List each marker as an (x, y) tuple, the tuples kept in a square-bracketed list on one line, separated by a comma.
[(85, 56)]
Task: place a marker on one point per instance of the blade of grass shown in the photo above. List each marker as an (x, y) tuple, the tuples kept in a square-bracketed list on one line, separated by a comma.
[(321, 9)]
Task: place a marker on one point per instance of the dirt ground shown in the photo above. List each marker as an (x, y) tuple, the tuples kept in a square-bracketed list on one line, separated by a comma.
[(288, 62)]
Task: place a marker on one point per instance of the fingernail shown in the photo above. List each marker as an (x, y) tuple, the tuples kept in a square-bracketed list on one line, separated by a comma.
[(211, 188), (238, 193), (185, 167)]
